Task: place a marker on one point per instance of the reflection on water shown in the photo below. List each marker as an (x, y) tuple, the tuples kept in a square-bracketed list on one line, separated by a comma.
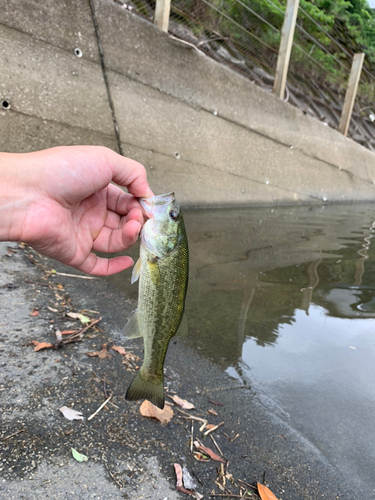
[(284, 299)]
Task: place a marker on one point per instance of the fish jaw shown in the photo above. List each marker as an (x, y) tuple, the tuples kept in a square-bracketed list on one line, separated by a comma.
[(155, 204), (161, 233)]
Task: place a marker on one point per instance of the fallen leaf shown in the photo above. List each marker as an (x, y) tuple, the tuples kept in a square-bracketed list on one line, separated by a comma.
[(83, 319), (213, 412), (71, 414), (147, 409), (119, 349), (78, 456), (183, 403), (100, 354), (178, 471), (265, 493), (41, 345), (34, 313), (52, 309), (208, 451), (68, 332), (210, 426)]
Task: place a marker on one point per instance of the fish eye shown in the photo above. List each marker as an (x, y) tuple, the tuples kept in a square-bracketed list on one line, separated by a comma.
[(173, 214)]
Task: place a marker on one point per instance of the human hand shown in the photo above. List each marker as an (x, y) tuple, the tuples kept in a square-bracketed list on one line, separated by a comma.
[(62, 203)]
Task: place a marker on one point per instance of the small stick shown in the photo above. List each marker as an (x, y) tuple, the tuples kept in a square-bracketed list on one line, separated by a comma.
[(77, 276), (213, 429), (80, 332), (38, 283), (192, 436), (202, 427), (14, 434), (100, 407), (247, 484), (191, 416), (235, 437), (217, 446)]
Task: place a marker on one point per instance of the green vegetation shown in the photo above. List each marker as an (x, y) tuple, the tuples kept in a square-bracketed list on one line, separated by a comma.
[(318, 53)]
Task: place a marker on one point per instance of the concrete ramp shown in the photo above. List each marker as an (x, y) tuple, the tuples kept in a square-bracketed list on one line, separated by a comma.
[(199, 128)]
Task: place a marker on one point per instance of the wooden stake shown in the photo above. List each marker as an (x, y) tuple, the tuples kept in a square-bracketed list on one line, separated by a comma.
[(287, 33), (351, 92), (162, 10)]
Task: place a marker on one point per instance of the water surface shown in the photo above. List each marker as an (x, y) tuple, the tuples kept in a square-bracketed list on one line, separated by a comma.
[(284, 300)]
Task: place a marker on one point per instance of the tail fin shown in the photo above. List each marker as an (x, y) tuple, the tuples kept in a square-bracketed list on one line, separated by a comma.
[(141, 388)]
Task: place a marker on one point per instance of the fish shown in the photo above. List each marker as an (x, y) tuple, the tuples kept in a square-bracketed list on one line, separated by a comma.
[(162, 269)]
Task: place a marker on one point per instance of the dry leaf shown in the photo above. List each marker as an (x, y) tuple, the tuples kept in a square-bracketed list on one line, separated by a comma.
[(52, 309), (147, 409), (265, 493), (187, 478), (213, 412), (100, 354), (178, 471), (208, 451), (119, 349), (68, 332), (41, 345), (34, 313), (183, 403), (71, 414), (210, 426), (83, 319)]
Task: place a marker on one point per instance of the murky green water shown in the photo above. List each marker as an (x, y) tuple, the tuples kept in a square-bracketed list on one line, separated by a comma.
[(284, 299)]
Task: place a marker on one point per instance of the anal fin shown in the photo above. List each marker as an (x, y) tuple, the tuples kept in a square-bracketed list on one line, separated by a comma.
[(131, 329)]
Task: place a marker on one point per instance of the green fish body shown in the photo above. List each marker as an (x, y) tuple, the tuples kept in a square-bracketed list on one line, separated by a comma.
[(162, 269)]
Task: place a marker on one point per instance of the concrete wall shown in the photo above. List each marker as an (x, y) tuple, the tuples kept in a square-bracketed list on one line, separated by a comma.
[(199, 128)]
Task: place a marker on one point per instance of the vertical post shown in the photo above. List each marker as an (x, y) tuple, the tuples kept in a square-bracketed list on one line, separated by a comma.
[(287, 33), (351, 91), (162, 10)]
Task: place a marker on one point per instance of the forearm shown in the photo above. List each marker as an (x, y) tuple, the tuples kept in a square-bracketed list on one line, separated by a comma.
[(17, 193)]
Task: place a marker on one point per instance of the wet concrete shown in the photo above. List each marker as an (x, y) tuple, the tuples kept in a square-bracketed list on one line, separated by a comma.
[(130, 456)]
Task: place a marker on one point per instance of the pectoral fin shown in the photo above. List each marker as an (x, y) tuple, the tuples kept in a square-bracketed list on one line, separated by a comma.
[(136, 271), (182, 330), (131, 329)]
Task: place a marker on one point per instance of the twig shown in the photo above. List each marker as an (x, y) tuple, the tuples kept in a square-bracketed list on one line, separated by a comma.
[(192, 436), (79, 333), (247, 484), (191, 416), (100, 407), (77, 276), (14, 434), (104, 388), (235, 437), (49, 285), (213, 429), (215, 403), (217, 446)]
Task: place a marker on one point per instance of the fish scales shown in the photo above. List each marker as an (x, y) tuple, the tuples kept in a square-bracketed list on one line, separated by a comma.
[(163, 275)]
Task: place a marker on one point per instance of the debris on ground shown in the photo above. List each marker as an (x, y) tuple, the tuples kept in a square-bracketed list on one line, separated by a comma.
[(164, 416)]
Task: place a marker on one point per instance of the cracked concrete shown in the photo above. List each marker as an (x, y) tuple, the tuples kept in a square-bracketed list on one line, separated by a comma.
[(200, 129)]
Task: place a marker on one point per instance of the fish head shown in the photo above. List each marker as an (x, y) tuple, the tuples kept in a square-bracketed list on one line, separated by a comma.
[(164, 228)]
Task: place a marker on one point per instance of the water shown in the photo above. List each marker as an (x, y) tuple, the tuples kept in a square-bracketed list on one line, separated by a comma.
[(284, 300)]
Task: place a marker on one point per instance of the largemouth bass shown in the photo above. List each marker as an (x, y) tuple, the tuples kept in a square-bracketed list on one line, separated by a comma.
[(162, 269)]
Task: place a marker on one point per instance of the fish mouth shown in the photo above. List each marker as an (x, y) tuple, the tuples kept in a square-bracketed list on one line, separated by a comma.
[(150, 205)]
